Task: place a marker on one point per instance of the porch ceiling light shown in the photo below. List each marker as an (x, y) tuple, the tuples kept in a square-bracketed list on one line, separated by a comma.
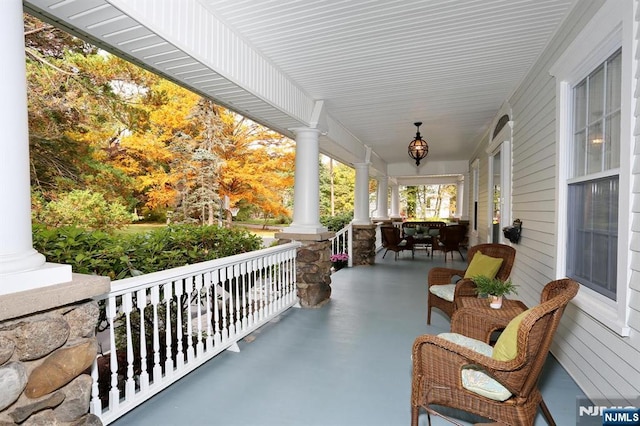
[(418, 147)]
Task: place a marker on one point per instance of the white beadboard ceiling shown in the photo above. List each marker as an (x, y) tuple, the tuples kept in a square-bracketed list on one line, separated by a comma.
[(379, 65)]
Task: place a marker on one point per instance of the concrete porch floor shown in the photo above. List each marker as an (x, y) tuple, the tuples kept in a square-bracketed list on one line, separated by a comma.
[(347, 363)]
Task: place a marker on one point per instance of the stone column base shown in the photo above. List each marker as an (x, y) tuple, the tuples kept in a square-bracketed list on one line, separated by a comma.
[(47, 343), (313, 267), (364, 244)]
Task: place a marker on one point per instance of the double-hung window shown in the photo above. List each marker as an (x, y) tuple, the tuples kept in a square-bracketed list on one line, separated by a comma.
[(593, 184), (594, 130)]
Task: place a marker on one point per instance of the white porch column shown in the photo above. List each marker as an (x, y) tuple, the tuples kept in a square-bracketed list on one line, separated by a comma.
[(395, 201), (306, 191), (361, 201), (382, 199), (21, 267), (462, 210)]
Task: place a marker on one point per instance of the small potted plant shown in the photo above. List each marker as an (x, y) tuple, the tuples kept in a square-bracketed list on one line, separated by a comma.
[(339, 261), (495, 288)]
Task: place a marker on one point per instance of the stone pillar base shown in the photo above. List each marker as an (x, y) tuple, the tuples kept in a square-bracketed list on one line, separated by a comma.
[(47, 343), (364, 244), (313, 267)]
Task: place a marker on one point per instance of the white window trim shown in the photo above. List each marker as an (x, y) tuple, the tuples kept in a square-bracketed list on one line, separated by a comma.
[(475, 171), (612, 27), (502, 142)]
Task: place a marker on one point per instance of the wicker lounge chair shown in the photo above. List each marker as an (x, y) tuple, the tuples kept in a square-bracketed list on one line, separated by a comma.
[(438, 365), (465, 287)]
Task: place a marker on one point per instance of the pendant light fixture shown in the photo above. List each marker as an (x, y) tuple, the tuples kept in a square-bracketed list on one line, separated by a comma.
[(418, 147)]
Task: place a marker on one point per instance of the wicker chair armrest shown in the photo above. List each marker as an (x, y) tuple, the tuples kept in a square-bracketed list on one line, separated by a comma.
[(439, 276), (473, 323), (465, 288), (432, 354)]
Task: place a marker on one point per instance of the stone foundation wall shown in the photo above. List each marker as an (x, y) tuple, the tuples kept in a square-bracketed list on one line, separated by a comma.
[(364, 244), (46, 353), (45, 361)]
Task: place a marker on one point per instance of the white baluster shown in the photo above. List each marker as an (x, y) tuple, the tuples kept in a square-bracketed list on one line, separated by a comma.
[(243, 282), (291, 267), (271, 286), (114, 392), (157, 368), (200, 342), (209, 289), (188, 282), (178, 290), (95, 407), (264, 282), (279, 283), (130, 385), (224, 277), (141, 300), (215, 306), (253, 292), (236, 275), (168, 340)]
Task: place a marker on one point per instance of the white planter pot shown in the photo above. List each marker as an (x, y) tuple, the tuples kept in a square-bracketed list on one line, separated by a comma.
[(496, 302)]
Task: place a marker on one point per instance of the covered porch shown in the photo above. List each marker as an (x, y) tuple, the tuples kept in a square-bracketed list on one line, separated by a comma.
[(346, 363)]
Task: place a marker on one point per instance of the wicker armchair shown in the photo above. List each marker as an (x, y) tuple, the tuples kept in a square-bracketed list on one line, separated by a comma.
[(438, 364), (466, 287)]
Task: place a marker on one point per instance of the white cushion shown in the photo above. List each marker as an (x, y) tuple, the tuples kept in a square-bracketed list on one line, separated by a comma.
[(479, 382), (474, 379), (444, 291), (473, 344)]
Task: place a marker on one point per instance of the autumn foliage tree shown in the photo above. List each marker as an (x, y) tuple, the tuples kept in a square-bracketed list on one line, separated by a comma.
[(101, 124)]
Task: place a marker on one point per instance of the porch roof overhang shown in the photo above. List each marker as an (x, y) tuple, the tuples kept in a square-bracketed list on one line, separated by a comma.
[(361, 71)]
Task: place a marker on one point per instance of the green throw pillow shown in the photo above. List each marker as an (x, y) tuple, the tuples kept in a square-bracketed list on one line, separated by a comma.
[(506, 347), (483, 265)]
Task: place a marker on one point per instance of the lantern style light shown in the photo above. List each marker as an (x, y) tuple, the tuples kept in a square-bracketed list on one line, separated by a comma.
[(418, 147)]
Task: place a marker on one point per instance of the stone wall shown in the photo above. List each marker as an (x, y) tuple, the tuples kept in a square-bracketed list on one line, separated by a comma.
[(364, 244), (313, 270), (45, 361), (313, 267)]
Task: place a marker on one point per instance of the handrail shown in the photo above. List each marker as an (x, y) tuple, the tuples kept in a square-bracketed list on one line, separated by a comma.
[(158, 327)]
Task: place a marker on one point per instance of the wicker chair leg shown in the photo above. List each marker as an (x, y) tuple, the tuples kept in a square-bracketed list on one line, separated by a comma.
[(415, 411), (546, 413)]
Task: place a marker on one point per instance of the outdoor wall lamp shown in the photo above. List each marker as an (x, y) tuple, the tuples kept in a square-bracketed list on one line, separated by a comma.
[(418, 147)]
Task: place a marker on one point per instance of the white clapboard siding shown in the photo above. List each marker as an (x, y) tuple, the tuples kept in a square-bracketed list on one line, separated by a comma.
[(603, 363)]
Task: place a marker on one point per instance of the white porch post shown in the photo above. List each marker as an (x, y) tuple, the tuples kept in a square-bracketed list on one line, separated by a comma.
[(306, 197), (462, 210), (361, 201), (21, 266), (382, 199), (395, 201)]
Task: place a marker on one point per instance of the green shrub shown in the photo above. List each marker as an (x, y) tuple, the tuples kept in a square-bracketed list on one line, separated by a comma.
[(336, 223), (122, 255), (85, 209)]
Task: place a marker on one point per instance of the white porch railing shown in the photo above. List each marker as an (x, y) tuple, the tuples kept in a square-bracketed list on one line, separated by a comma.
[(163, 325), (342, 242)]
